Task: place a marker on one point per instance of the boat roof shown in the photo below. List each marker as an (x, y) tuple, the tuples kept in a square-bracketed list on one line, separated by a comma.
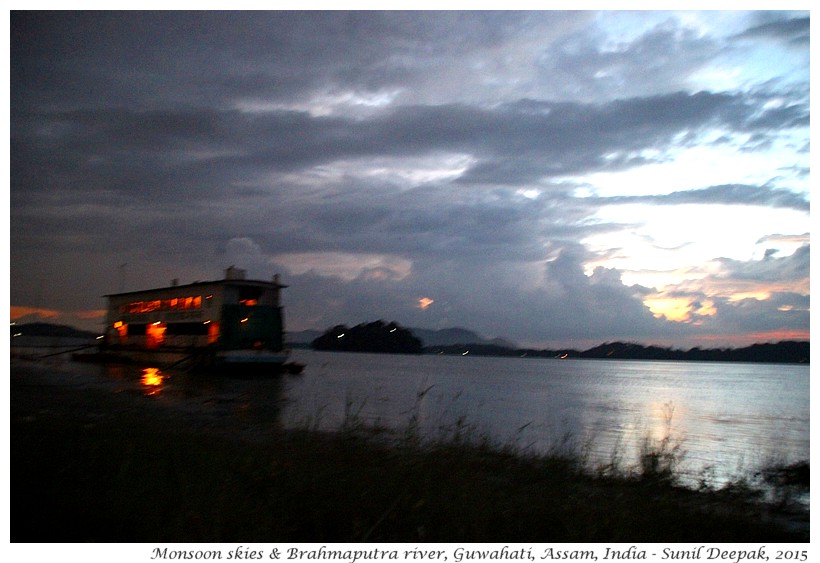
[(225, 281)]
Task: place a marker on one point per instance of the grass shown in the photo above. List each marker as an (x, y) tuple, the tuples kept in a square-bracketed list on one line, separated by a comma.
[(86, 468)]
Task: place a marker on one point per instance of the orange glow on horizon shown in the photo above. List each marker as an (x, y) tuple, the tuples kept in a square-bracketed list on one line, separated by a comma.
[(778, 335), (92, 314), (17, 312), (742, 340), (76, 318)]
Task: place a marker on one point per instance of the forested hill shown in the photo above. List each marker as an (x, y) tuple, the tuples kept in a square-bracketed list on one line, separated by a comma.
[(780, 352), (390, 337), (378, 336)]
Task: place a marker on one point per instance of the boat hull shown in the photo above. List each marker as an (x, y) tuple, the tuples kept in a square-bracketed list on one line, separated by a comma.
[(219, 361)]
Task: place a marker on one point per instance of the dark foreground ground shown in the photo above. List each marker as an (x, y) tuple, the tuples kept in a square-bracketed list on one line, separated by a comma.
[(88, 465)]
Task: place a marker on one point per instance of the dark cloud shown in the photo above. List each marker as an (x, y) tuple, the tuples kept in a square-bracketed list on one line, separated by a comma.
[(158, 153), (568, 306), (437, 153), (794, 267), (782, 313), (586, 65), (795, 31), (734, 194), (215, 58)]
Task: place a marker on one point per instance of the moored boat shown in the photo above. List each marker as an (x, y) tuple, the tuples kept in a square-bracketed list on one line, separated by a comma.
[(229, 324)]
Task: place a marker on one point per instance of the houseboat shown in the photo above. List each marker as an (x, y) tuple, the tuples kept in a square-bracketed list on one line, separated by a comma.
[(229, 323)]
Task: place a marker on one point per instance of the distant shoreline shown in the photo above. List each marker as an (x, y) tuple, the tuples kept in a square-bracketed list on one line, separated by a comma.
[(783, 352)]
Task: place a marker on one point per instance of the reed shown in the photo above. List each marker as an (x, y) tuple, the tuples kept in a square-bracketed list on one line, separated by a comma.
[(86, 469)]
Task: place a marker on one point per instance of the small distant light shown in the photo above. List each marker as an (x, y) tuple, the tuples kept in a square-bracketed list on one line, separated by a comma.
[(465, 353), (207, 322), (340, 335), (18, 334), (100, 337), (118, 324), (392, 330), (157, 323), (244, 320)]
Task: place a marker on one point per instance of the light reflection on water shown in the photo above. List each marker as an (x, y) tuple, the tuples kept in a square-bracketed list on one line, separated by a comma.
[(152, 379), (726, 418), (729, 419)]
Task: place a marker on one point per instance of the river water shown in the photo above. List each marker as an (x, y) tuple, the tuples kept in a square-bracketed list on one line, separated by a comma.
[(721, 420)]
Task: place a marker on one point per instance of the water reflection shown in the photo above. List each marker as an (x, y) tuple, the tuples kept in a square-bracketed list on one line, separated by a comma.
[(728, 419), (725, 418), (152, 379), (660, 417)]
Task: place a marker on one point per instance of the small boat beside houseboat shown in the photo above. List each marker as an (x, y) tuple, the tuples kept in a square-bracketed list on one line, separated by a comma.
[(229, 324)]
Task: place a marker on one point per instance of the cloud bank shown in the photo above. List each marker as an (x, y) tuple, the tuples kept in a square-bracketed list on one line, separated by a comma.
[(549, 177)]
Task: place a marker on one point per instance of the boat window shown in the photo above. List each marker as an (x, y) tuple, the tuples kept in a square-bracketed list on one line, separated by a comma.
[(155, 334), (172, 304), (213, 331), (249, 296), (121, 328)]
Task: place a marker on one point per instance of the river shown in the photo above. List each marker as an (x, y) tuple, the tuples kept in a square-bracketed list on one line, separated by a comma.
[(724, 419), (719, 421)]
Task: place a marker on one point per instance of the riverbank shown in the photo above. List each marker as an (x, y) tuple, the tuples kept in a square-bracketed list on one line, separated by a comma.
[(91, 465)]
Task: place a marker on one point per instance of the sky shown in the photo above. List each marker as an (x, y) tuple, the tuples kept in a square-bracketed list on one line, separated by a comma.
[(554, 178)]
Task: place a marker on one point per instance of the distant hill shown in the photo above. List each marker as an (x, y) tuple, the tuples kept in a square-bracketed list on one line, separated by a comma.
[(302, 338), (454, 336), (458, 341), (791, 352), (47, 329), (780, 352), (378, 336), (442, 337)]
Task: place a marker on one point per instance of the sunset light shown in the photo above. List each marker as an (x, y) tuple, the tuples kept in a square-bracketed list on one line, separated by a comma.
[(530, 169), (673, 309), (465, 285)]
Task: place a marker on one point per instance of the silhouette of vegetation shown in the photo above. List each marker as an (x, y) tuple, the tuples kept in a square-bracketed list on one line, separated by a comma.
[(796, 352), (391, 338), (93, 466), (378, 336)]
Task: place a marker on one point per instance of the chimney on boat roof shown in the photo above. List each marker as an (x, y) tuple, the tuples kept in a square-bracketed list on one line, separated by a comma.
[(174, 282), (234, 273)]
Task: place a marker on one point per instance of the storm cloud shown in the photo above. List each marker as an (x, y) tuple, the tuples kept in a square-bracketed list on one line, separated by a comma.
[(378, 158)]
